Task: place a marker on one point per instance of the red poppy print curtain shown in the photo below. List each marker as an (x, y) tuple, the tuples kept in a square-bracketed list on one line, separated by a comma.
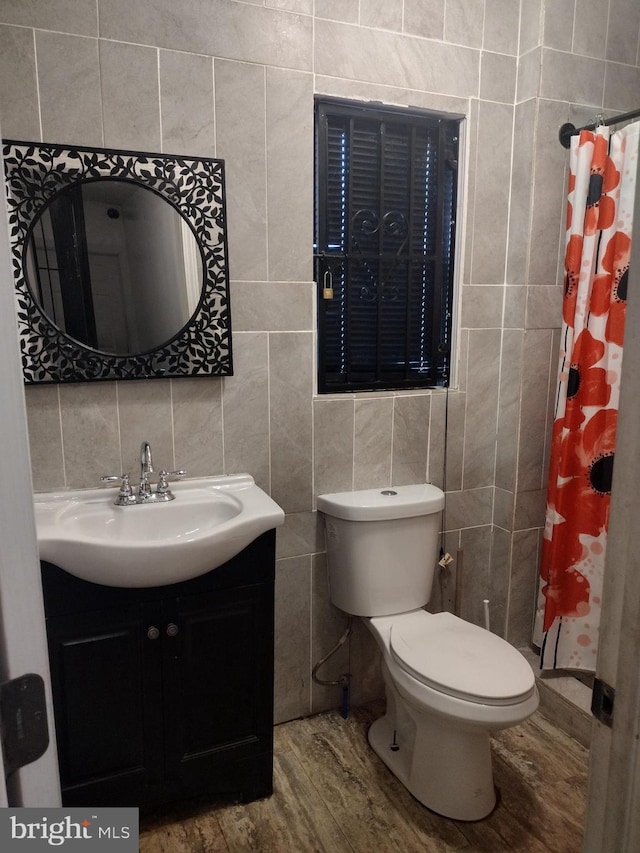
[(601, 196)]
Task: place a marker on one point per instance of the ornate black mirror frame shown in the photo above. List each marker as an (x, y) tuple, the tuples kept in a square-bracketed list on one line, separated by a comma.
[(35, 173)]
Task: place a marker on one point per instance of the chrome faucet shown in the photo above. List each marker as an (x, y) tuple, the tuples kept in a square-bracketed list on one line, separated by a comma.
[(126, 495), (146, 468)]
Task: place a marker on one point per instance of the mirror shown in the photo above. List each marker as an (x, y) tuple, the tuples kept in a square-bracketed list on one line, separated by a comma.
[(114, 266), (120, 263)]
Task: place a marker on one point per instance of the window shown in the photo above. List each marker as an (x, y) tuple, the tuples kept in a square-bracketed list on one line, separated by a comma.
[(386, 182)]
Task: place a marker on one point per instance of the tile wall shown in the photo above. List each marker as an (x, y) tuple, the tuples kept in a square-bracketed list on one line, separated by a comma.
[(235, 79)]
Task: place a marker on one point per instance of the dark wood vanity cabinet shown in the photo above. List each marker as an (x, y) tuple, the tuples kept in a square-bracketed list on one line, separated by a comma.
[(164, 693)]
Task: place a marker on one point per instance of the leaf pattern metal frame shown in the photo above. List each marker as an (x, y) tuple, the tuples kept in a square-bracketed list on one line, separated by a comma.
[(34, 173)]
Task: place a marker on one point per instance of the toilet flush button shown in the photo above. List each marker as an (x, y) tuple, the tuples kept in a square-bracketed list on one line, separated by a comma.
[(388, 492)]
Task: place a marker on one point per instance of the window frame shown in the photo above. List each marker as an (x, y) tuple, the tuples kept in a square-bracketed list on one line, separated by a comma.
[(453, 124)]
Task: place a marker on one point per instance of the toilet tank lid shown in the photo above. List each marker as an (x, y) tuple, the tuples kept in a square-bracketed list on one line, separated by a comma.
[(381, 504)]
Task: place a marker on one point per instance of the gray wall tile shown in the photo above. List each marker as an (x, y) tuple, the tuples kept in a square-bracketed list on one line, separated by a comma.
[(246, 409), (240, 133), (290, 174), (424, 18), (399, 95), (546, 238), (482, 409), (382, 14), (443, 588), (623, 30), (447, 409), (537, 352), (482, 306), (463, 358), (503, 508), (531, 24), (521, 192), (568, 77), (366, 681), (63, 16), (372, 450), (89, 416), (187, 104), (223, 29), (558, 24), (411, 417), (622, 86), (443, 591), (272, 306), (464, 22), (523, 587), (498, 77), (45, 437), (290, 377), (333, 442), (301, 533), (552, 394), (376, 56), (515, 297), (19, 107), (197, 424), (338, 10), (491, 199), (476, 574), (305, 7), (530, 509), (528, 75), (511, 391), (499, 574), (328, 625), (69, 84), (471, 133), (470, 505), (590, 23), (130, 98), (501, 20), (544, 306), (144, 413), (292, 619)]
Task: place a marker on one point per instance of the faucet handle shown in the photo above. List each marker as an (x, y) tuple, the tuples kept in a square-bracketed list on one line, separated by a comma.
[(112, 478), (163, 480), (125, 495)]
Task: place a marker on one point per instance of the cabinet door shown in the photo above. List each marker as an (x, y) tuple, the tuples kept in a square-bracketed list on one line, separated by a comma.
[(220, 682), (106, 676)]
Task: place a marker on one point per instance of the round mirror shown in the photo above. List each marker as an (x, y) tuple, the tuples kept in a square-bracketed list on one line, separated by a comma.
[(114, 266)]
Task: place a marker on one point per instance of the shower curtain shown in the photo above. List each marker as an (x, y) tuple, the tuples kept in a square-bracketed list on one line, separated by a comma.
[(601, 195)]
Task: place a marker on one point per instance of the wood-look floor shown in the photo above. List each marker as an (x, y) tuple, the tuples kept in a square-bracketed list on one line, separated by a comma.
[(333, 794)]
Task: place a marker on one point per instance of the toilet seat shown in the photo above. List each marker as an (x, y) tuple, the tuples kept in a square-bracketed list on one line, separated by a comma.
[(459, 659)]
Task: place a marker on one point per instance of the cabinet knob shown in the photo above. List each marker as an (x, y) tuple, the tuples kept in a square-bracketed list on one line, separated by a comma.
[(172, 629), (153, 633)]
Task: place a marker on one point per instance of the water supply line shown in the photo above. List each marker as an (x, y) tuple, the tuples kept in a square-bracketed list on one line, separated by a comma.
[(457, 607), (445, 557), (344, 680)]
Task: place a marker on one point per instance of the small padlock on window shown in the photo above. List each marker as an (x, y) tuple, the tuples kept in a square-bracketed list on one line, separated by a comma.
[(327, 285)]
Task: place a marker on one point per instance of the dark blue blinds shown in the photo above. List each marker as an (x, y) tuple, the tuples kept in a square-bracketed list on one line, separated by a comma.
[(385, 239)]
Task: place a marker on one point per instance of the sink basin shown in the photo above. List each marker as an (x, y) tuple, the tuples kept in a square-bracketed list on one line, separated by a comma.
[(209, 522)]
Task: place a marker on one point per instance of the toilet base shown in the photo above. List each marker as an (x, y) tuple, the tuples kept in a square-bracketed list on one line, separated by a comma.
[(447, 768)]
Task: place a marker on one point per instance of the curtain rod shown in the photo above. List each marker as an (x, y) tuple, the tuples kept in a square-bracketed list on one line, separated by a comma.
[(568, 130)]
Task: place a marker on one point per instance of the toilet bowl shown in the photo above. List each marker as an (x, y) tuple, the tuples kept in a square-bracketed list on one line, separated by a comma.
[(449, 683)]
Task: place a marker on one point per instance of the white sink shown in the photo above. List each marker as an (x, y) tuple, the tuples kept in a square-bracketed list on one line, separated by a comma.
[(211, 520)]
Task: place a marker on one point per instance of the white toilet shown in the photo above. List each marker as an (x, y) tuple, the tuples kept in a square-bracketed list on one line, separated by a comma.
[(449, 683)]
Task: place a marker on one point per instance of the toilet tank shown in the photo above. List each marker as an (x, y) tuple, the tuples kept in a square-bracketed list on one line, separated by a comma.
[(382, 547)]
